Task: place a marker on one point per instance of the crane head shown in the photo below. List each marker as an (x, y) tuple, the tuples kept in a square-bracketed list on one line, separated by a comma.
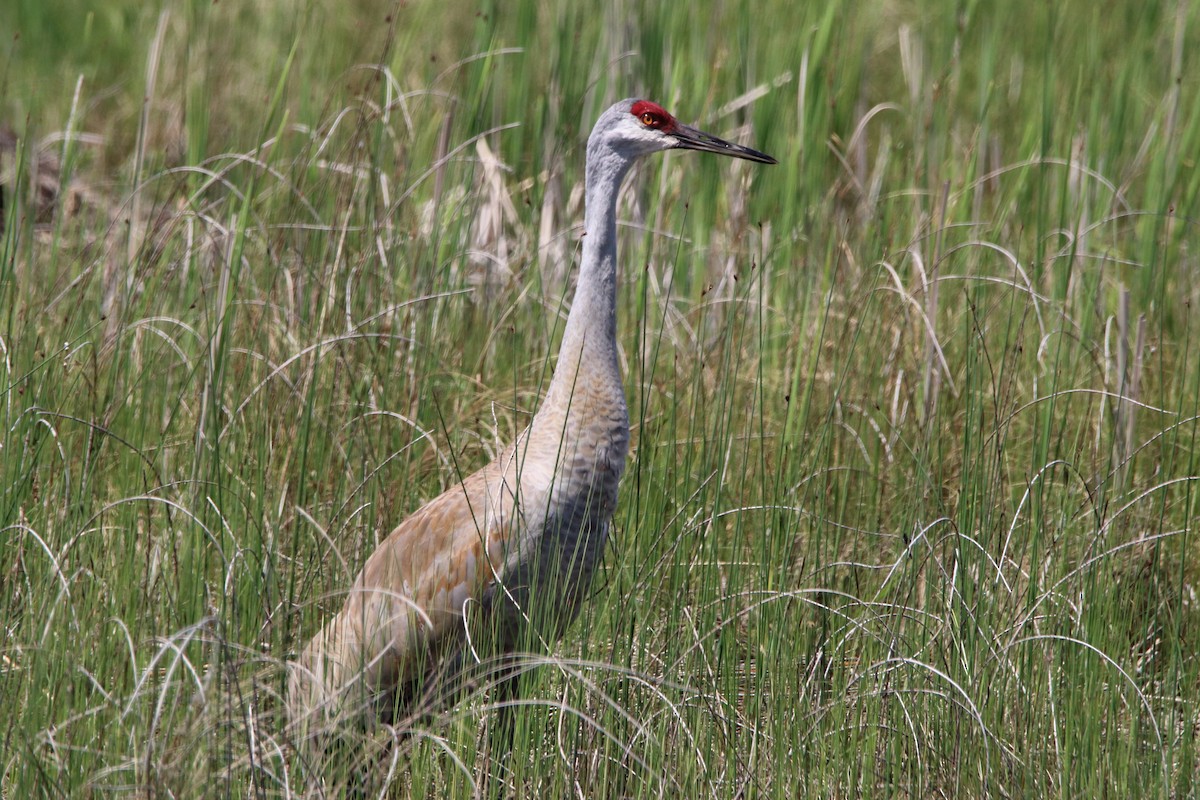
[(641, 126)]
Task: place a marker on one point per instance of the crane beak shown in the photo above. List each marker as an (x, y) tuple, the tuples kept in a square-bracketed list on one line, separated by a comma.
[(688, 138)]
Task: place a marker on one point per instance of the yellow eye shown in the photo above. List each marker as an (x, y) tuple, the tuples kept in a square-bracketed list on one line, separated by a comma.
[(648, 119)]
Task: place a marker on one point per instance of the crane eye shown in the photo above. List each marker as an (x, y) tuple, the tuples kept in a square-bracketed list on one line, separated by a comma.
[(649, 120)]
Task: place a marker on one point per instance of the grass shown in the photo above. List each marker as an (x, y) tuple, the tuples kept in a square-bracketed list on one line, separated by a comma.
[(912, 502)]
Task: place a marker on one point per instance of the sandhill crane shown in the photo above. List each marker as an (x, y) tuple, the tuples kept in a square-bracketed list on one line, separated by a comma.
[(514, 545)]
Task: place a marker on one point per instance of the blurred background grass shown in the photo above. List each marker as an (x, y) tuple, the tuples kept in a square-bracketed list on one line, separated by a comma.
[(913, 490)]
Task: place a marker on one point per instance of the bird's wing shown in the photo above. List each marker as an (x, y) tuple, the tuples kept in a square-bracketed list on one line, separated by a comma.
[(411, 594)]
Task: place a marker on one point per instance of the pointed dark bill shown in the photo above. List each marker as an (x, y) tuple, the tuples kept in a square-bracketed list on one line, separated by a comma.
[(689, 138)]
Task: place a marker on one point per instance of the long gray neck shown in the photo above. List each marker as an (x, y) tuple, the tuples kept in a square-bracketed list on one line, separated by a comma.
[(589, 345)]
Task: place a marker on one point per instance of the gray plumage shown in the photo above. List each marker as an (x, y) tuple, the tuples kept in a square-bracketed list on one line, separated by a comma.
[(518, 541)]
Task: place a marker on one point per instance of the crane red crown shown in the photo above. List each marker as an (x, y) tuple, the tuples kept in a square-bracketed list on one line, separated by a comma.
[(652, 115)]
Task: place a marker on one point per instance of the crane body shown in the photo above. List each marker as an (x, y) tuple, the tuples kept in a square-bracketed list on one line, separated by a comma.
[(516, 543)]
